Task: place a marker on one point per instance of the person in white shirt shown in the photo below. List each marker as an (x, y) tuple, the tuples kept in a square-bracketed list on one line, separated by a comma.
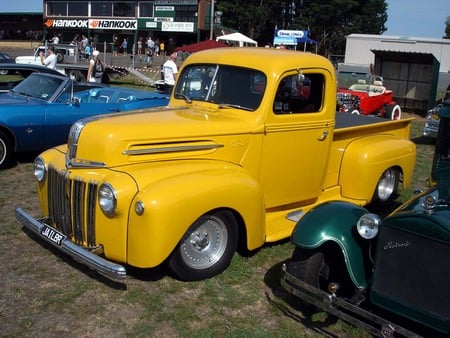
[(55, 39), (170, 70), (50, 60)]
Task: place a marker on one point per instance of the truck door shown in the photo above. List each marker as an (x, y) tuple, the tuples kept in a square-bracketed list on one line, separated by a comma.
[(298, 134)]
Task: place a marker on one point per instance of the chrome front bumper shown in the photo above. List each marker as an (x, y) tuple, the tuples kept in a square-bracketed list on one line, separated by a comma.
[(110, 270)]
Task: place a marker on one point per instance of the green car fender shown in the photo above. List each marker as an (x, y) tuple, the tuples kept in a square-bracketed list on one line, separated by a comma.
[(335, 222)]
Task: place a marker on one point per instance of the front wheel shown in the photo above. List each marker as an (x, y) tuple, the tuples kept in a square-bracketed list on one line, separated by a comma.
[(319, 268), (387, 186), (207, 247), (6, 150), (394, 112)]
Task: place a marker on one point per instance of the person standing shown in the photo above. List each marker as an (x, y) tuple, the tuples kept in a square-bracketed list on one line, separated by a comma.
[(170, 70), (96, 68), (124, 46), (50, 60), (87, 51), (151, 45), (139, 48), (115, 45), (162, 50)]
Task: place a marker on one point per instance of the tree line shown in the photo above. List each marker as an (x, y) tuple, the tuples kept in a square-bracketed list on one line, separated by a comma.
[(328, 21)]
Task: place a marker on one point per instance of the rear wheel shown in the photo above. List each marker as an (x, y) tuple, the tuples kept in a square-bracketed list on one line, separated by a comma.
[(393, 112), (5, 149), (387, 186), (207, 248)]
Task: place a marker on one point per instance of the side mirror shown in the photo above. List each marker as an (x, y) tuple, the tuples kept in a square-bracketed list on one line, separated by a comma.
[(75, 101)]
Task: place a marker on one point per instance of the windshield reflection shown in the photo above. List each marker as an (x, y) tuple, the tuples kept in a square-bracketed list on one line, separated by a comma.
[(227, 86), (38, 87)]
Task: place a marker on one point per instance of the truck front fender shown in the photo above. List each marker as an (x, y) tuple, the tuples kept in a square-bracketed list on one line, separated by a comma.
[(365, 160), (334, 222), (187, 191)]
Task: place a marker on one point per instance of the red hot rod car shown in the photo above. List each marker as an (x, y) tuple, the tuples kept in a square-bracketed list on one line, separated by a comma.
[(365, 99)]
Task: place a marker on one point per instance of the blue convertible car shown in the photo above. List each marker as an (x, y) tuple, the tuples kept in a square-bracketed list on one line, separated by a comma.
[(38, 112)]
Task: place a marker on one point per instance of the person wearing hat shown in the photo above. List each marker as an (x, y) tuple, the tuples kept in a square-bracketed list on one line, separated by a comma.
[(170, 70), (96, 68)]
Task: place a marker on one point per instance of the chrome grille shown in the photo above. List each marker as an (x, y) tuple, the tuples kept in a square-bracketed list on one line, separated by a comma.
[(348, 100), (72, 204)]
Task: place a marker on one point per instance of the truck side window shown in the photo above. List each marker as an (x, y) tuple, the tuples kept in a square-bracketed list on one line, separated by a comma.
[(299, 94)]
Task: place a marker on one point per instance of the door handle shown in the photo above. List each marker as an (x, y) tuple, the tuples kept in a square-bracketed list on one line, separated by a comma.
[(323, 136)]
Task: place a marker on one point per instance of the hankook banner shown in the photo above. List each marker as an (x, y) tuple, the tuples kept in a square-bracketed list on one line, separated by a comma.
[(91, 24)]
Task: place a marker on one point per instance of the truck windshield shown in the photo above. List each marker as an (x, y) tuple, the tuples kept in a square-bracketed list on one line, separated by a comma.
[(227, 86)]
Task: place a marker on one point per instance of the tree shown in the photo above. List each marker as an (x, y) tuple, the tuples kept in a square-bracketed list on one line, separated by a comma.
[(252, 17), (328, 21)]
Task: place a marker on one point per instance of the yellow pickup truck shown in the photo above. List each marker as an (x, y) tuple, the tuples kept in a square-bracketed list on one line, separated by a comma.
[(248, 143)]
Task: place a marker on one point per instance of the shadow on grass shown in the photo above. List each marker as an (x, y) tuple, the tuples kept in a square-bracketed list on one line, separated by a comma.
[(295, 309), (153, 274)]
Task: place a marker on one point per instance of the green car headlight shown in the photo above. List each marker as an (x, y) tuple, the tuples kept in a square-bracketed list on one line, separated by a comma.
[(107, 199), (40, 170), (368, 225)]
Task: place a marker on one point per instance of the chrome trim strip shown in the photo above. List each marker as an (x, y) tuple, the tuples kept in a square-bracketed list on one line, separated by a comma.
[(171, 149), (113, 271), (79, 163)]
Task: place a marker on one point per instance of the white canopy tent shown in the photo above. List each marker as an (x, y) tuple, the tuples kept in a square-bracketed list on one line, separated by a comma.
[(241, 39)]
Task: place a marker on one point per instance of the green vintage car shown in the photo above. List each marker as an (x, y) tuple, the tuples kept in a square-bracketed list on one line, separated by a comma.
[(389, 276)]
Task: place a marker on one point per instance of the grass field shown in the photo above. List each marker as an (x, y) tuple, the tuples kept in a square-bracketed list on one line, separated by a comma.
[(45, 294)]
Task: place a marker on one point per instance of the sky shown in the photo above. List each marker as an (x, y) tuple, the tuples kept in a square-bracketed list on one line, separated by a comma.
[(414, 18)]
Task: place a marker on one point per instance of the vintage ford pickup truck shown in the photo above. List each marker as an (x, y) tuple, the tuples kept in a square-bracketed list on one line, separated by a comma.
[(244, 148)]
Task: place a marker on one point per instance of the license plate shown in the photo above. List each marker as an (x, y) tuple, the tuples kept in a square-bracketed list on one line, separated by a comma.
[(52, 234)]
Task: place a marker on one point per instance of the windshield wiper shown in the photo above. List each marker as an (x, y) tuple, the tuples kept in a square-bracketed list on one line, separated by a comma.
[(229, 105), (185, 97), (24, 94)]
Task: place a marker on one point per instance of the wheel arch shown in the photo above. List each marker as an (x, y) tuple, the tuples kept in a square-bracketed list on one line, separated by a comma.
[(9, 133), (169, 214), (366, 159), (332, 225)]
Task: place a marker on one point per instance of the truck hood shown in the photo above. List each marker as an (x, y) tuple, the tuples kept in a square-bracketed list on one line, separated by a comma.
[(161, 134)]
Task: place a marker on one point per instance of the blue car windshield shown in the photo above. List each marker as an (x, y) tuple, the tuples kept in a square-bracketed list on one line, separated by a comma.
[(228, 86), (38, 86)]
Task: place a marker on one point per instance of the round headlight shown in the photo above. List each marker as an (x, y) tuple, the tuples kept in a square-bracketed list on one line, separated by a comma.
[(39, 169), (368, 225), (107, 199)]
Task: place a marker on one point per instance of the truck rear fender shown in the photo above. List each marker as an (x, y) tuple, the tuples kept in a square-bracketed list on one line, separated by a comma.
[(334, 222), (174, 203), (365, 160)]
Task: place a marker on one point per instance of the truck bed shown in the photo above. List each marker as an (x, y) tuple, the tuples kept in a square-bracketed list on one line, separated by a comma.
[(346, 120), (350, 126)]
